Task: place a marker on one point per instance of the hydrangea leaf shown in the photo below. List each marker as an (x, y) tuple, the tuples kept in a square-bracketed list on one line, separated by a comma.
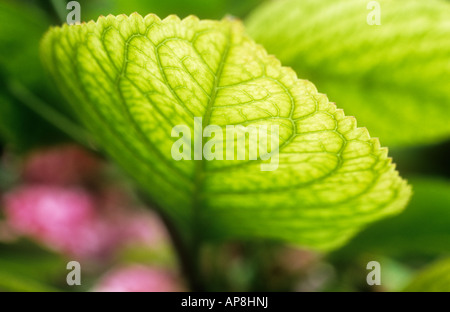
[(435, 278), (132, 79), (393, 77)]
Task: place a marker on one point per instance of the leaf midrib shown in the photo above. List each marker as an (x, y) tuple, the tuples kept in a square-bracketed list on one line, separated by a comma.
[(199, 174)]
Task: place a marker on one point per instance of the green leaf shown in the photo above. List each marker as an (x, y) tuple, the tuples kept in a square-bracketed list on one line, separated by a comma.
[(132, 79), (393, 77), (424, 228), (25, 267), (15, 283), (435, 278)]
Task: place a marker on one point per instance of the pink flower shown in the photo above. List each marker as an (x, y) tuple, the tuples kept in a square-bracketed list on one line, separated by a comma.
[(137, 278), (137, 225), (64, 219), (74, 222), (143, 228), (66, 164)]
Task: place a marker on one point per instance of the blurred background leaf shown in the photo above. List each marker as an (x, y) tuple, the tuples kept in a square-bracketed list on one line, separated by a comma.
[(435, 278), (393, 77), (26, 267), (423, 228)]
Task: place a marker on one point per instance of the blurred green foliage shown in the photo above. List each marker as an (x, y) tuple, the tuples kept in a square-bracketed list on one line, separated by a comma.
[(23, 124), (205, 9), (423, 228), (435, 278), (26, 267)]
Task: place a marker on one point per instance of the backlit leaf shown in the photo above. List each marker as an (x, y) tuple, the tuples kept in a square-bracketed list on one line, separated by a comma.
[(132, 79)]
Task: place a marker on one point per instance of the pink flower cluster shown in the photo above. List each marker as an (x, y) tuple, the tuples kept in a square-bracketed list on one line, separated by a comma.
[(55, 207), (62, 165), (63, 219)]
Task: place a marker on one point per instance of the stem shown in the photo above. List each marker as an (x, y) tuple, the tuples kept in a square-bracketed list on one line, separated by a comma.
[(188, 257), (44, 110), (188, 260)]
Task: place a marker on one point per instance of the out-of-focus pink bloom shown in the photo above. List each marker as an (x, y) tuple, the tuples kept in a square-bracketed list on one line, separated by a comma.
[(65, 219), (72, 221), (140, 228), (137, 278), (294, 260), (146, 228), (61, 165), (137, 226)]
